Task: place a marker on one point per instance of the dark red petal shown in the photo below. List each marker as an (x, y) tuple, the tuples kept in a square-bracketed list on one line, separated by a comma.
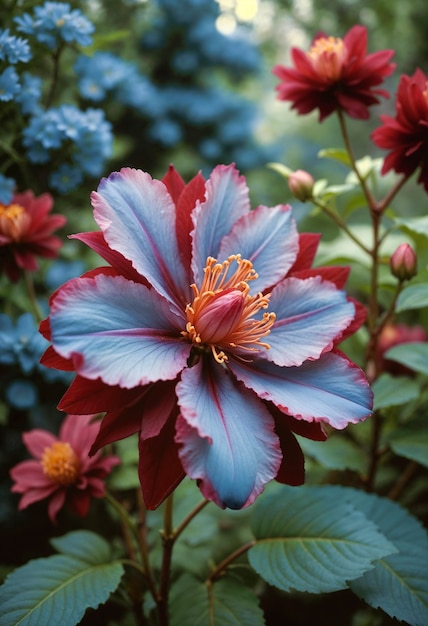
[(52, 359), (292, 468), (174, 183), (336, 274), (159, 468), (308, 245), (192, 192)]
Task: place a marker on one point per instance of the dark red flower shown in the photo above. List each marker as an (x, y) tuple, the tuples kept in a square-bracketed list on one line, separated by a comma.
[(335, 74), (26, 232), (406, 134), (61, 468)]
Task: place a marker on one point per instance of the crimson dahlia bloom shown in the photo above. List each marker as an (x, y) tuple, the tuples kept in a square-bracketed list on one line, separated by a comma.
[(208, 334), (406, 134), (335, 74), (26, 232), (61, 469)]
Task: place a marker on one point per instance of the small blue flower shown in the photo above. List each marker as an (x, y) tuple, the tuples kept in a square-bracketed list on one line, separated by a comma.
[(9, 84), (55, 22), (21, 394), (29, 96), (7, 186), (61, 271), (65, 178), (13, 49), (21, 343), (165, 131)]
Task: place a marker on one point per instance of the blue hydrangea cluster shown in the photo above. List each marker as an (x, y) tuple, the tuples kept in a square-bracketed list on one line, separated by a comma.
[(7, 186), (201, 44), (86, 136), (13, 50), (21, 346), (55, 23)]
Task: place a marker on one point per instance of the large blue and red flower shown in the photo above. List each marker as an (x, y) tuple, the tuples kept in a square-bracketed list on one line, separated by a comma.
[(208, 334)]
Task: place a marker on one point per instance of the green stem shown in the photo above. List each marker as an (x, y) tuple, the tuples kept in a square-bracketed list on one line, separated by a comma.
[(341, 224), (55, 75), (142, 543), (29, 284), (168, 540), (404, 478), (221, 567), (177, 532)]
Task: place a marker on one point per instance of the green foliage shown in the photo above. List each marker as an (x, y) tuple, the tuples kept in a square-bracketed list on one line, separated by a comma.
[(223, 603), (411, 443), (394, 391), (61, 587), (413, 297), (398, 584), (413, 355), (310, 540)]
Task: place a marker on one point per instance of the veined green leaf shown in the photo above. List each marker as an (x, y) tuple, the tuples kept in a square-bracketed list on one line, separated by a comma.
[(413, 297), (398, 584), (337, 453), (413, 355), (393, 391), (412, 445), (225, 603), (58, 589), (311, 540)]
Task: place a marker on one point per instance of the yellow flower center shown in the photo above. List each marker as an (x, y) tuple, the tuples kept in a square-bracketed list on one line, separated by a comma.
[(328, 55), (12, 219), (222, 314), (60, 463)]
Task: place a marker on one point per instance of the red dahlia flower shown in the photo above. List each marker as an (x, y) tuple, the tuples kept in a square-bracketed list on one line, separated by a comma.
[(335, 74), (61, 469), (208, 334), (26, 232), (406, 134), (394, 335)]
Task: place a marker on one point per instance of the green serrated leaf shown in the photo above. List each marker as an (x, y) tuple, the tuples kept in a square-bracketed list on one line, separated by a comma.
[(413, 297), (310, 540), (413, 355), (84, 545), (412, 445), (337, 453), (59, 589), (225, 603), (394, 391), (398, 584)]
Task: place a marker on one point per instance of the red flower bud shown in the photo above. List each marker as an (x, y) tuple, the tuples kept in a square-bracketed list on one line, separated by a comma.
[(403, 262), (301, 185)]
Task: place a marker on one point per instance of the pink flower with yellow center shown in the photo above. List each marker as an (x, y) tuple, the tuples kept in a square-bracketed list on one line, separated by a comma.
[(336, 74), (26, 232), (406, 134), (209, 334), (61, 469)]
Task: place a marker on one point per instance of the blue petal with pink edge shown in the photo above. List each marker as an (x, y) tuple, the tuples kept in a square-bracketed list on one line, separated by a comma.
[(331, 389), (226, 201), (137, 217), (310, 314), (268, 238), (226, 436), (117, 330)]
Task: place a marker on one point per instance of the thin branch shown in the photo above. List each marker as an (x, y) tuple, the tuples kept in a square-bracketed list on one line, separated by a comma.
[(221, 567)]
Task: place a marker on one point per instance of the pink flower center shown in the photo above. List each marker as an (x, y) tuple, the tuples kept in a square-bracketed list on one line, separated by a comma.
[(60, 463), (222, 314), (12, 219), (328, 56)]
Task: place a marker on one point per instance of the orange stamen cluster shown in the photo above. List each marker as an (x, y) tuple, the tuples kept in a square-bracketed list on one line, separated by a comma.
[(327, 55), (221, 316), (12, 218), (60, 463)]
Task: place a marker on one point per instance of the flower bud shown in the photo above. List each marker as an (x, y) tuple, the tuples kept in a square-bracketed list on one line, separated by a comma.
[(301, 184), (403, 262)]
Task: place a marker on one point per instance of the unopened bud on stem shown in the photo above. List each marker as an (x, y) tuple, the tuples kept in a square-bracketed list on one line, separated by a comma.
[(301, 185), (403, 262)]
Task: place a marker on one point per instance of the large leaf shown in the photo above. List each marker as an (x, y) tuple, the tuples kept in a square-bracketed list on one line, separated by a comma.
[(394, 391), (418, 225), (413, 297), (398, 584), (59, 589), (225, 603), (308, 539), (413, 355)]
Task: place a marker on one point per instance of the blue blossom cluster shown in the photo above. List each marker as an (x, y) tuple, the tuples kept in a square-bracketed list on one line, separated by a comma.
[(85, 136), (201, 44), (55, 23), (21, 346), (13, 50)]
